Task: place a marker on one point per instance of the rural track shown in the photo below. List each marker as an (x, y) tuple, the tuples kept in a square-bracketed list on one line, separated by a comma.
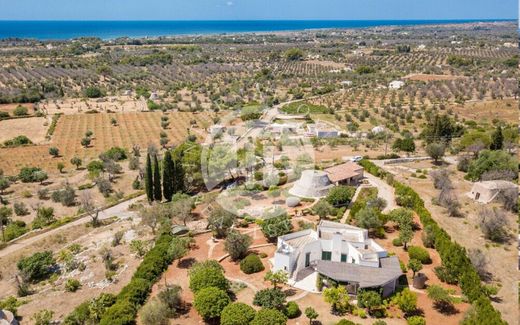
[(120, 210)]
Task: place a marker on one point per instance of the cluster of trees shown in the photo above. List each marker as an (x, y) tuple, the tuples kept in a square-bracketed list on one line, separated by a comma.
[(171, 182), (490, 154), (213, 302)]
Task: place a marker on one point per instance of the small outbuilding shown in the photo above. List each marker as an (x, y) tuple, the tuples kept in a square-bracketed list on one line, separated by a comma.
[(487, 191), (348, 173), (396, 84), (312, 184)]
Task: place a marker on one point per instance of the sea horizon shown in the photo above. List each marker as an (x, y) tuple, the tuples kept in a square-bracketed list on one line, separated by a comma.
[(59, 30)]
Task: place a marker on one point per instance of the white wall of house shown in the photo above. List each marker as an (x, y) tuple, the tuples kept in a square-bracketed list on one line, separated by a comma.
[(283, 262), (361, 250)]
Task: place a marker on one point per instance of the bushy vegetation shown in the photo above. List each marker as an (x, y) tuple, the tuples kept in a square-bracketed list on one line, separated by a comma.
[(251, 264), (420, 254), (269, 317), (36, 267), (237, 313), (210, 302), (18, 141), (489, 161), (209, 274), (340, 195)]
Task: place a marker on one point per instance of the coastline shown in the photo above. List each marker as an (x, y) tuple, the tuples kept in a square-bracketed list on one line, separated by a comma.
[(107, 30)]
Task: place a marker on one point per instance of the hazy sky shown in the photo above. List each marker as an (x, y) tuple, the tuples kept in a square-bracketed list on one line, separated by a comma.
[(255, 9)]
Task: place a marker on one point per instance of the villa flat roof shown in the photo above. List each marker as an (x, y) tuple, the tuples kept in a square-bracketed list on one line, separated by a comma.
[(366, 276)]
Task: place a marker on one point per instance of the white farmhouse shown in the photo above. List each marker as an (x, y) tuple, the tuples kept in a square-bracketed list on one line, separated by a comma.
[(396, 84), (339, 252), (154, 96), (487, 191)]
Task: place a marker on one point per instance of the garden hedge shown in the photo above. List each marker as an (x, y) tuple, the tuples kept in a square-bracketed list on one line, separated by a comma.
[(455, 260)]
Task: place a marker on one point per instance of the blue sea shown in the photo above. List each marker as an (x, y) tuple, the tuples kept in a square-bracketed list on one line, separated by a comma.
[(62, 30)]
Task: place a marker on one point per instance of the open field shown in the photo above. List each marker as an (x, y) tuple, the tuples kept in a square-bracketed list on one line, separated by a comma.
[(139, 129), (35, 128)]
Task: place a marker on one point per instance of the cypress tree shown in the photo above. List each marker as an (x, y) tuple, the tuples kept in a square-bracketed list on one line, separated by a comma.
[(497, 139), (178, 178), (157, 191), (148, 179), (168, 176)]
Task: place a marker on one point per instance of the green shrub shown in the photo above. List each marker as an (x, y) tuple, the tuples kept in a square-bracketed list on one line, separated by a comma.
[(72, 285), (208, 276), (154, 312), (29, 174), (20, 111), (292, 310), (251, 264), (14, 230), (269, 317), (90, 311), (419, 253), (346, 322), (340, 195), (122, 312), (270, 298), (416, 320), (36, 267), (397, 242), (406, 300), (11, 303), (210, 302), (136, 291), (18, 141), (237, 313), (115, 153), (93, 92)]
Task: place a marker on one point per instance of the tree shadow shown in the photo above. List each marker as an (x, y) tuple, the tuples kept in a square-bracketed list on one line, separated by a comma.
[(417, 312), (289, 292), (186, 263), (445, 308)]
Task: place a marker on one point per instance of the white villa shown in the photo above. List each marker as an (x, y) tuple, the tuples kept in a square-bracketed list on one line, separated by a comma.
[(283, 128), (339, 252), (322, 130)]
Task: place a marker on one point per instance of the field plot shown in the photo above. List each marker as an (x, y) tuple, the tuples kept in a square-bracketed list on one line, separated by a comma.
[(505, 110), (34, 128), (132, 129), (431, 77)]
